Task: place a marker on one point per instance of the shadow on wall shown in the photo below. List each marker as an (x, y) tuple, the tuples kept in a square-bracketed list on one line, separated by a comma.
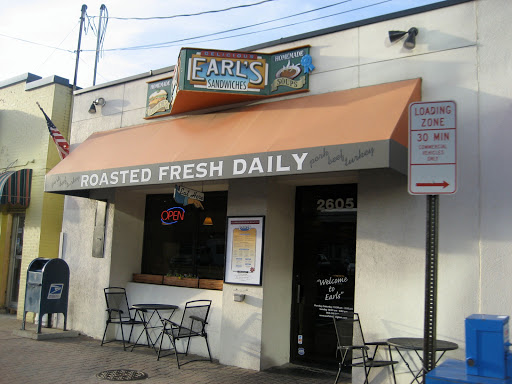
[(22, 138)]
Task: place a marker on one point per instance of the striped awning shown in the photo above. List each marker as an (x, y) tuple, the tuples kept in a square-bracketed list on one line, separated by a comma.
[(15, 188)]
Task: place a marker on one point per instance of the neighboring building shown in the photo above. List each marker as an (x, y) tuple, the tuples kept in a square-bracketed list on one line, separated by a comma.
[(318, 180), (30, 220)]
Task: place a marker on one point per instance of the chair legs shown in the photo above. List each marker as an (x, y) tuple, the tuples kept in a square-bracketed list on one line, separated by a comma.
[(367, 372), (104, 334), (122, 335), (129, 337), (340, 365), (173, 344), (392, 365), (208, 347)]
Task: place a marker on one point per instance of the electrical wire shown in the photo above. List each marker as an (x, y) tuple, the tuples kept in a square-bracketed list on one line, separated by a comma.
[(51, 54), (91, 25), (191, 14), (245, 27), (103, 29), (170, 43), (33, 42)]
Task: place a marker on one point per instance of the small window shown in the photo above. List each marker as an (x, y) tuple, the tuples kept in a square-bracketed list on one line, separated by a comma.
[(177, 241)]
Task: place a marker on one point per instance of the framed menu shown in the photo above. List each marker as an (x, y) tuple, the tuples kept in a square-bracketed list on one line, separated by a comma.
[(244, 250)]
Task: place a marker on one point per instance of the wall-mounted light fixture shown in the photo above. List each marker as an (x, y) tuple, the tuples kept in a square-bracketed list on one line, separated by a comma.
[(208, 221), (410, 41), (99, 101)]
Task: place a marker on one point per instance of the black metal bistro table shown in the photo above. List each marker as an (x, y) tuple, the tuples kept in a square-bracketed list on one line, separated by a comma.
[(416, 344), (145, 310)]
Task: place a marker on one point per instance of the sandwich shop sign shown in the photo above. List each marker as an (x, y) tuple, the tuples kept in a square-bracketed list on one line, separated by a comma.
[(158, 98), (202, 75), (246, 72)]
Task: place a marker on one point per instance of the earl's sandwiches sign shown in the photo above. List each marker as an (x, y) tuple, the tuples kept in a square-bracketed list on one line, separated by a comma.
[(206, 78), (226, 71)]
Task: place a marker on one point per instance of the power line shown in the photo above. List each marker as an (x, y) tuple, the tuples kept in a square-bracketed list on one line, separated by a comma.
[(32, 42), (159, 45), (51, 54), (190, 14), (90, 24), (169, 43)]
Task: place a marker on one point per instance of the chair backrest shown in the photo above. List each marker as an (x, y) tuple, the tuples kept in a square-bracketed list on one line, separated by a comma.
[(349, 333), (197, 308), (116, 299)]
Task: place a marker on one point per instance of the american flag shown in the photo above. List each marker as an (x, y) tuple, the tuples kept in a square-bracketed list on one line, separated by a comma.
[(58, 139)]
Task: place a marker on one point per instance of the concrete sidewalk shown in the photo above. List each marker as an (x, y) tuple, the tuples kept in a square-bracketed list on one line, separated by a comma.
[(80, 359)]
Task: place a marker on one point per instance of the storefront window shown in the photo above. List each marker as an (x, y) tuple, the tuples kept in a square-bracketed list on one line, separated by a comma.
[(177, 241)]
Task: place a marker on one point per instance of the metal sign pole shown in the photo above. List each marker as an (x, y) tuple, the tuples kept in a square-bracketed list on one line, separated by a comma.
[(429, 342)]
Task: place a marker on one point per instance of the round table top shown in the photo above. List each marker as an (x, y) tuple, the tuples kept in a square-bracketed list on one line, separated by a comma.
[(155, 306), (416, 343)]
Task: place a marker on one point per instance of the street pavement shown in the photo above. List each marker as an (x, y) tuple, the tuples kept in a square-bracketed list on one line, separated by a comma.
[(80, 359)]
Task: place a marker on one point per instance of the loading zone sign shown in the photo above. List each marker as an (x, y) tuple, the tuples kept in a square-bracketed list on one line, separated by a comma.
[(432, 148), (55, 291)]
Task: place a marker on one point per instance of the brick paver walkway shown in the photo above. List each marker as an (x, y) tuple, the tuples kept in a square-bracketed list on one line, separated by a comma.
[(80, 359)]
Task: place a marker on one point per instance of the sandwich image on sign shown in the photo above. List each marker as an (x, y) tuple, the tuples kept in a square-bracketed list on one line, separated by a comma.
[(157, 102)]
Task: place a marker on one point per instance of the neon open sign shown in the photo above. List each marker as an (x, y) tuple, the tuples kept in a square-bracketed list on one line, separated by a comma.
[(172, 215)]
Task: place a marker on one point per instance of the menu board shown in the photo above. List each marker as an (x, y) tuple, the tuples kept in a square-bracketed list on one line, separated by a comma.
[(244, 250)]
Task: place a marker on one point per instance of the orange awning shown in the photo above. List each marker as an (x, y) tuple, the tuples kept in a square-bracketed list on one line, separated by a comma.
[(355, 129)]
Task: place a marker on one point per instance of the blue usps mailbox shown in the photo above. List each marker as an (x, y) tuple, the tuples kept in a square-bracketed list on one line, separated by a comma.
[(47, 289), (488, 359)]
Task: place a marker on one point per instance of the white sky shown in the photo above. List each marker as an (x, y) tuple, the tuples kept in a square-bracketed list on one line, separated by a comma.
[(55, 24)]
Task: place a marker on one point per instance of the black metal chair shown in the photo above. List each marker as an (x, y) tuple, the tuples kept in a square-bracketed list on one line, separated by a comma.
[(119, 312), (354, 350), (193, 323)]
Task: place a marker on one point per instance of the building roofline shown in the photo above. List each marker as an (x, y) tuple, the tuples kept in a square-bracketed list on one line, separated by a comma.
[(153, 72), (24, 78), (342, 27), (47, 81), (356, 24), (33, 81)]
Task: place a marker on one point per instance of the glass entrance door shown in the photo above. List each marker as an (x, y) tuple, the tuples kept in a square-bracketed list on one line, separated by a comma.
[(13, 282), (324, 269)]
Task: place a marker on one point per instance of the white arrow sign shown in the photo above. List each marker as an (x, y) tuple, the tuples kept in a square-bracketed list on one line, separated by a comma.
[(432, 148)]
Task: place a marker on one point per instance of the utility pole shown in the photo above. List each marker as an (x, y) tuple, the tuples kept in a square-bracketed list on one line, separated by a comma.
[(82, 19), (98, 42)]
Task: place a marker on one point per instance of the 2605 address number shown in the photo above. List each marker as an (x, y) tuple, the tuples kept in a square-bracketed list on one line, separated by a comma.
[(340, 203)]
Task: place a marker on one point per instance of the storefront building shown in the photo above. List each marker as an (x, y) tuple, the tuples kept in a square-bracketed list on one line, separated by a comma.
[(297, 198), (30, 220)]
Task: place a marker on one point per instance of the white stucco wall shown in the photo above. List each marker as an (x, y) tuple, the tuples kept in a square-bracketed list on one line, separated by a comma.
[(128, 236), (278, 275), (241, 330), (87, 275), (495, 137)]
